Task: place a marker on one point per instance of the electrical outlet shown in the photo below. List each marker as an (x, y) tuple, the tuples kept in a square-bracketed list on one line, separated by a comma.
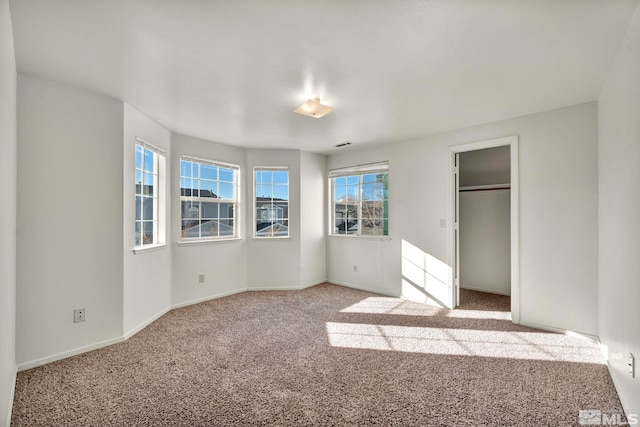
[(355, 268), (201, 278), (78, 315), (632, 366), (443, 223)]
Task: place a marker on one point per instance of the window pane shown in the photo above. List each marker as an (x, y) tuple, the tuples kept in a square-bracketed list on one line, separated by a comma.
[(281, 192), (209, 210), (281, 177), (353, 194), (190, 229), (225, 190), (138, 235), (185, 187), (264, 191), (185, 168), (351, 219), (372, 209), (147, 233), (147, 187), (147, 208), (208, 172), (209, 228), (369, 178), (138, 179), (267, 177), (351, 180), (149, 164), (138, 208), (226, 175), (190, 210), (342, 181), (208, 189), (226, 228), (282, 211), (226, 210), (372, 227), (369, 192), (138, 157)]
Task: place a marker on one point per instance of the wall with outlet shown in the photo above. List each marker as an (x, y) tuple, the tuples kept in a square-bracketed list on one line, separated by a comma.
[(146, 277), (558, 213), (619, 210), (223, 264), (8, 173), (69, 210)]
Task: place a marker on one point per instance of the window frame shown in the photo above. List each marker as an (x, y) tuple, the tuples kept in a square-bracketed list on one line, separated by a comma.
[(235, 201), (158, 197), (359, 172), (255, 201)]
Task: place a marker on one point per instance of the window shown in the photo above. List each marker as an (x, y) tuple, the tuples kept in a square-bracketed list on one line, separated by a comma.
[(148, 222), (208, 197), (360, 200), (271, 189)]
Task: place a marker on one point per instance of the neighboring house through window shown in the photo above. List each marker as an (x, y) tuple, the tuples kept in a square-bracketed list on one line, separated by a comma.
[(360, 200), (271, 189), (208, 197)]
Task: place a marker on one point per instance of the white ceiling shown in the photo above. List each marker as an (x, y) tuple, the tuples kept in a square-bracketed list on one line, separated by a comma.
[(234, 71)]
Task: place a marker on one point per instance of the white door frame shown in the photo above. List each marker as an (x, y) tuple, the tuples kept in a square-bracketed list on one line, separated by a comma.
[(511, 141)]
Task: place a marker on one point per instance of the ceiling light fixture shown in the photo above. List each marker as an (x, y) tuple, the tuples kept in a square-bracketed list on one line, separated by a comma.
[(313, 108)]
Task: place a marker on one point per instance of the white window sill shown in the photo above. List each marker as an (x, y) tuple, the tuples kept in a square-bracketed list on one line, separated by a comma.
[(207, 241), (148, 248), (355, 236), (270, 238)]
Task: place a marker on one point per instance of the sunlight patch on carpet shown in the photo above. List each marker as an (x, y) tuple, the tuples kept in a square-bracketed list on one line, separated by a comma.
[(398, 306), (464, 342)]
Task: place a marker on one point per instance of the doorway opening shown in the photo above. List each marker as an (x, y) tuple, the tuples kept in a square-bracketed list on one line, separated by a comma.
[(484, 238)]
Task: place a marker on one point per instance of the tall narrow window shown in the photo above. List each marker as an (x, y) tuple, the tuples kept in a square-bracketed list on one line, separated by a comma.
[(271, 189), (147, 228), (360, 200), (208, 197)]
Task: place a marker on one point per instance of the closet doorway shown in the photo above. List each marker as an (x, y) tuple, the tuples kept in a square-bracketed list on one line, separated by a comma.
[(485, 223)]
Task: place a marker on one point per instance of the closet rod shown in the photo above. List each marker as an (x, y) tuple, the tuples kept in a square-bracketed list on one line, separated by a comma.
[(485, 187)]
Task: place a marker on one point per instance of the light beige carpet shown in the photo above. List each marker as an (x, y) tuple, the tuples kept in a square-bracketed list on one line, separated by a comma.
[(327, 355)]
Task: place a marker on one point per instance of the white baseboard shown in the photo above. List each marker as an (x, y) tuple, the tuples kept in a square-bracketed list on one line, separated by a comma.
[(361, 288), (616, 385), (208, 298), (284, 288), (146, 323), (11, 396), (64, 355), (559, 331), (489, 291)]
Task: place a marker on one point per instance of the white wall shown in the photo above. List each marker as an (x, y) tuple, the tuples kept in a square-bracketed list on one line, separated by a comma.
[(224, 263), (7, 214), (313, 265), (619, 220), (69, 244), (146, 275), (558, 213), (485, 241)]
